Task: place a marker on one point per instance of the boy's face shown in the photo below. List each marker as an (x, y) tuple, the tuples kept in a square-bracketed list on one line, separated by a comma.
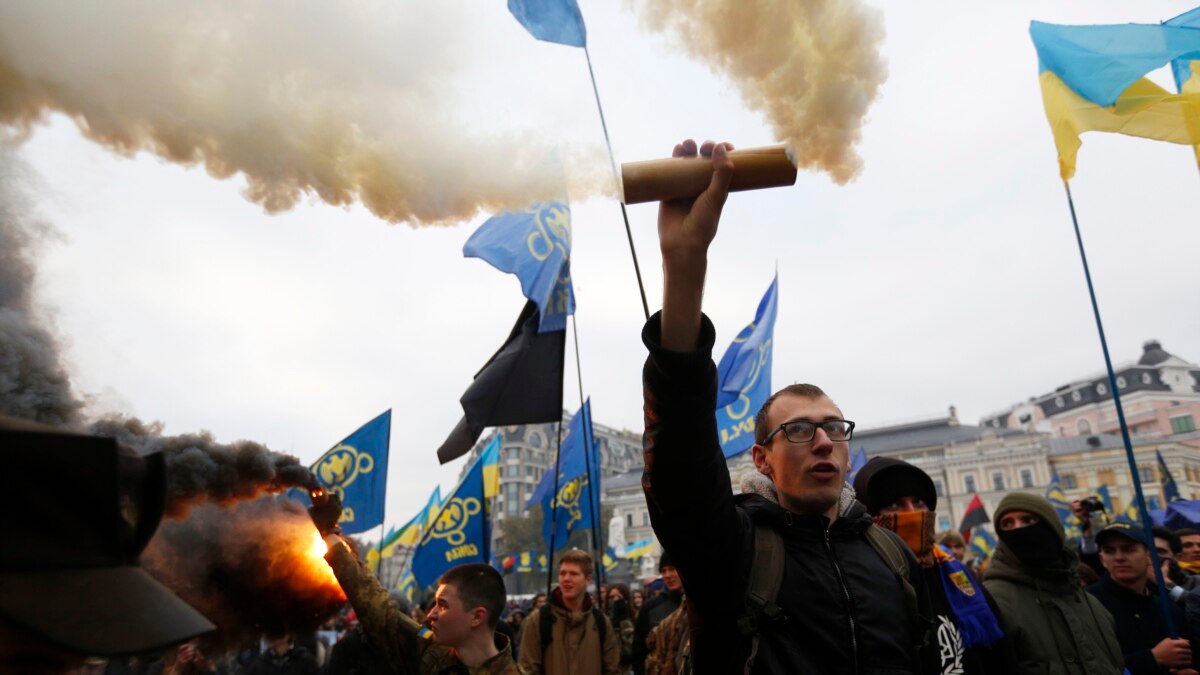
[(450, 620)]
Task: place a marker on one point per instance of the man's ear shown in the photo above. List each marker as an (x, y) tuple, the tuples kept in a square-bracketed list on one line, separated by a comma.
[(479, 617), (759, 454)]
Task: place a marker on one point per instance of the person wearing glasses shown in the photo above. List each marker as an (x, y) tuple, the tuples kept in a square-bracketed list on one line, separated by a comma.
[(840, 594)]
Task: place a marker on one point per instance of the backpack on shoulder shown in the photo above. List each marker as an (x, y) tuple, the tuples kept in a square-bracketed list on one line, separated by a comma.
[(546, 621)]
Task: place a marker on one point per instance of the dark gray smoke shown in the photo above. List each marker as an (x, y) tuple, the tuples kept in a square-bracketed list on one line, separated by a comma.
[(33, 383), (199, 469), (250, 568)]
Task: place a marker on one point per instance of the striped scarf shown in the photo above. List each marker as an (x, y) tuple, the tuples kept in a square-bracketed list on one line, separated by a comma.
[(975, 619)]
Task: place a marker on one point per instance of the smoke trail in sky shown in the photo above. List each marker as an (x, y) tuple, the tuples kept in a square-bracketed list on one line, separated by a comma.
[(812, 67)]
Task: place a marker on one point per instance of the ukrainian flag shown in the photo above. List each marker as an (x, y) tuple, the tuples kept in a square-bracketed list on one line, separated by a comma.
[(983, 543), (609, 559), (639, 549), (410, 534), (1093, 79)]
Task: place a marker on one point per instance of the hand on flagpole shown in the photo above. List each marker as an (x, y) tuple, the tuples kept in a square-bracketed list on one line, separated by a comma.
[(686, 227)]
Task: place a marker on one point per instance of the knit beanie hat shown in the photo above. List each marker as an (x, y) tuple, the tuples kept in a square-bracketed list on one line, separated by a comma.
[(883, 480), (1035, 504)]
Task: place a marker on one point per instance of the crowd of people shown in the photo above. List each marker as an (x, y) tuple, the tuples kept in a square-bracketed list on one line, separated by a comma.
[(801, 572)]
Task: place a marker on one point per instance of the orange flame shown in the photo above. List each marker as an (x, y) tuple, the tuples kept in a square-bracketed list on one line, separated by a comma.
[(314, 565)]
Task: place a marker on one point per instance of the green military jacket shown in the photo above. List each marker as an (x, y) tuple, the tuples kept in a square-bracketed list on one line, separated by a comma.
[(1056, 627), (395, 633)]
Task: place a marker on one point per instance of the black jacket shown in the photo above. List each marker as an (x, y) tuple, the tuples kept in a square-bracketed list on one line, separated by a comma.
[(845, 608), (653, 612), (1139, 622)]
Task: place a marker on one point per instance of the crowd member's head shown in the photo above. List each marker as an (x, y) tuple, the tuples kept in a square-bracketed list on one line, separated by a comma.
[(574, 575), (538, 601), (1190, 545), (802, 446), (467, 605), (1124, 555), (618, 592), (670, 575), (1166, 544), (1029, 528), (902, 498), (70, 585), (636, 599), (279, 643), (954, 542), (1087, 575)]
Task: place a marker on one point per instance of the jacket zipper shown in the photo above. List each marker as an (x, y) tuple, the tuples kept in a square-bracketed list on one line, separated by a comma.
[(846, 595)]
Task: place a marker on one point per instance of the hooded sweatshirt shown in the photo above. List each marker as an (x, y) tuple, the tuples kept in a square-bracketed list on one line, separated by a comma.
[(1056, 627)]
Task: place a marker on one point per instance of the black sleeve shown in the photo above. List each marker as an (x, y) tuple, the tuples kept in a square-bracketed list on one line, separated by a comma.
[(686, 479), (1000, 656)]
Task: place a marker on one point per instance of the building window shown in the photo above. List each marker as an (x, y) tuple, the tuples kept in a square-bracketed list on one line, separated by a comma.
[(997, 481), (1101, 389), (1120, 383), (1076, 396), (645, 519), (1146, 474), (1085, 427), (1182, 424), (969, 483), (938, 488), (1146, 378), (628, 520), (1026, 478), (1059, 401), (535, 439), (1069, 482)]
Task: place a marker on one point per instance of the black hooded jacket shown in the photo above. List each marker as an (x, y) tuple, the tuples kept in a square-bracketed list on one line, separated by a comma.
[(845, 608)]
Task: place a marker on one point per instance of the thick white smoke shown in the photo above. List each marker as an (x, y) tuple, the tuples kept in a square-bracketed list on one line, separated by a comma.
[(812, 67), (343, 101)]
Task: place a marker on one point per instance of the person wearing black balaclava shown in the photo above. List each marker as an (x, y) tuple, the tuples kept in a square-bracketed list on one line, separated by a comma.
[(967, 638), (1056, 627)]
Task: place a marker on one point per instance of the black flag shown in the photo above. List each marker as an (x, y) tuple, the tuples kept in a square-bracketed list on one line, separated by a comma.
[(521, 384)]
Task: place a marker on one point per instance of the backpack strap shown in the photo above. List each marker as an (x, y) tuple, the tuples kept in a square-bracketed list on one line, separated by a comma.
[(545, 626), (887, 548), (766, 576)]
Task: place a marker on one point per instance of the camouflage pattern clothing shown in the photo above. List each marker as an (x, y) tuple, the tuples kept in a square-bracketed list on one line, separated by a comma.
[(669, 646), (395, 634)]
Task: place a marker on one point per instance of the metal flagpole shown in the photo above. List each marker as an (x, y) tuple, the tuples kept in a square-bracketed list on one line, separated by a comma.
[(617, 178), (593, 497), (553, 513), (1148, 533)]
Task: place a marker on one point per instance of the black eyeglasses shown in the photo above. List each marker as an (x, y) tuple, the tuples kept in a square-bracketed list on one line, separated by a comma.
[(803, 431)]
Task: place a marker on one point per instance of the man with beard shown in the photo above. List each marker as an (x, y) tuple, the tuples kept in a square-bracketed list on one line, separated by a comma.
[(1133, 600), (864, 581), (1056, 627), (969, 639), (655, 610)]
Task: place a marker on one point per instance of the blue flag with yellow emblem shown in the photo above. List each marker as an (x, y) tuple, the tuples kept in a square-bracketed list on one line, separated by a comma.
[(356, 470), (744, 376), (577, 497), (462, 532), (551, 20), (1170, 491), (535, 245), (1062, 506)]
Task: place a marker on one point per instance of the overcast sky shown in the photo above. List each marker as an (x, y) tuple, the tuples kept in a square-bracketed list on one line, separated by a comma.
[(946, 274)]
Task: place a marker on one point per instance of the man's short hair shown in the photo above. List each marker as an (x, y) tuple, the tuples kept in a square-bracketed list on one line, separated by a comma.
[(951, 538), (801, 390), (1173, 541), (577, 557), (478, 585), (1187, 532)]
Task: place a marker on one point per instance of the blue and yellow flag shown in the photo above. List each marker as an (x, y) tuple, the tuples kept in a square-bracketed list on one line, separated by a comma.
[(410, 534), (744, 376), (609, 560), (1170, 491), (578, 494), (1094, 79), (982, 543), (639, 549), (407, 585), (551, 20), (543, 562), (1062, 506), (1105, 498), (356, 470), (462, 532), (535, 245)]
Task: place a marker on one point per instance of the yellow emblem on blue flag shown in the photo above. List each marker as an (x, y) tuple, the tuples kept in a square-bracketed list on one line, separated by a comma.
[(356, 470)]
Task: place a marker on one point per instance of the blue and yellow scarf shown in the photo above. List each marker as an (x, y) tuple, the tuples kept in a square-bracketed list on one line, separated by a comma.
[(975, 619)]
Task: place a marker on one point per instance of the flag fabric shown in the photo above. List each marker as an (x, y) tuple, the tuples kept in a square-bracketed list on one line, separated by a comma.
[(521, 384), (410, 534), (535, 245), (462, 532), (982, 543), (1062, 506), (543, 562), (1105, 498), (1170, 491), (974, 515), (356, 471), (609, 559), (857, 461), (744, 376), (525, 561), (576, 505), (1187, 70), (551, 20), (639, 549), (1093, 79), (407, 585)]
